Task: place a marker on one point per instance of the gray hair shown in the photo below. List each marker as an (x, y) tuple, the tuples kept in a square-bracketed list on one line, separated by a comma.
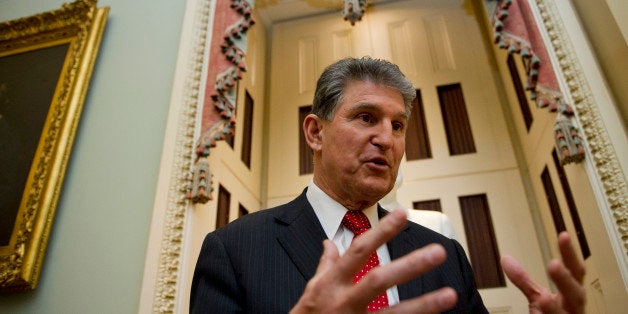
[(331, 84)]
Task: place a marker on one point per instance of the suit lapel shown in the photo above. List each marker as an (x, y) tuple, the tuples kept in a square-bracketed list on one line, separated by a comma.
[(399, 246), (302, 238)]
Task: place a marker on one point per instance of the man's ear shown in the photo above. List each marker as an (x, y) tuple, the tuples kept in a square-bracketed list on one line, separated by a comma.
[(312, 128)]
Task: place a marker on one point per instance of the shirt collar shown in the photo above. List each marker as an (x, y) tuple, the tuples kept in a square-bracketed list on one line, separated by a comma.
[(330, 212)]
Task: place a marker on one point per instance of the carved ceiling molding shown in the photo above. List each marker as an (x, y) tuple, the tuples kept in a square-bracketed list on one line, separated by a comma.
[(605, 160), (322, 4), (170, 257)]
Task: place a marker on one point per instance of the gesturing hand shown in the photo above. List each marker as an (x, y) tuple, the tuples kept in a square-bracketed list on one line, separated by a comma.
[(331, 289), (567, 274)]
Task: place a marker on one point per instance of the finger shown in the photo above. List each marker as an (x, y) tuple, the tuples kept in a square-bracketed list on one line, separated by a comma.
[(521, 278), (397, 272), (572, 291), (329, 257), (363, 246), (549, 303), (315, 286), (433, 302), (570, 258)]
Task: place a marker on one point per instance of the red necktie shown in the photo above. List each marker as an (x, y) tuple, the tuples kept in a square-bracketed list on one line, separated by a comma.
[(358, 223)]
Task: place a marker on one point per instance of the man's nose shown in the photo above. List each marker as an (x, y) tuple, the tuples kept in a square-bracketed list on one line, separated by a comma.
[(383, 136)]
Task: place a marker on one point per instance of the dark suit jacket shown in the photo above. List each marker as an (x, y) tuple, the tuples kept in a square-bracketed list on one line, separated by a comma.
[(261, 263)]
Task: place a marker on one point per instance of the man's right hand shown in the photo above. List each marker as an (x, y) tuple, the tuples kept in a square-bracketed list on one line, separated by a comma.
[(331, 290)]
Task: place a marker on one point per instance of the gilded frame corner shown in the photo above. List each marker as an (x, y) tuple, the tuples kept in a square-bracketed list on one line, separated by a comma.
[(78, 28)]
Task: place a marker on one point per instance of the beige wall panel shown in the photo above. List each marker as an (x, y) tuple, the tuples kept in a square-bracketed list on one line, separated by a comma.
[(439, 42), (402, 19), (256, 59), (343, 44), (507, 204), (401, 52), (272, 202), (307, 64)]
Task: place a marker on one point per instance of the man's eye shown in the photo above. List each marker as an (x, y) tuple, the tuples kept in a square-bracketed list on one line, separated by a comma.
[(366, 118), (397, 126)]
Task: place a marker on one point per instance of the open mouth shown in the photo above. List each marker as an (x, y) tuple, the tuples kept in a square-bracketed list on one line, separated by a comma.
[(379, 161)]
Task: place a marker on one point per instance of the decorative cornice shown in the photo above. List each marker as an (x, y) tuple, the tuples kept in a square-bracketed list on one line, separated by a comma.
[(353, 10), (568, 140), (223, 98), (609, 174), (165, 295)]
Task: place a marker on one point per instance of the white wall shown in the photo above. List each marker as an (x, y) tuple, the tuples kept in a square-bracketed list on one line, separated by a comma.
[(95, 256)]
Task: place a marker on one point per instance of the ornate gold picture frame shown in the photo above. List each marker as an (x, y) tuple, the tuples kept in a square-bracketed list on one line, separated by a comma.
[(46, 61)]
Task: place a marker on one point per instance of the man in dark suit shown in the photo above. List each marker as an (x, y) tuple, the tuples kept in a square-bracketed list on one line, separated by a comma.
[(312, 255)]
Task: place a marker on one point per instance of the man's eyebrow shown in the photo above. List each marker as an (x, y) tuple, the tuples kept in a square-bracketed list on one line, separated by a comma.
[(364, 105), (371, 106)]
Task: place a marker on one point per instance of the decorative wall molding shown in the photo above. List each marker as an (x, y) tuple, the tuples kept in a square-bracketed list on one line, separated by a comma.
[(605, 160), (225, 69), (170, 255), (516, 31), (353, 10)]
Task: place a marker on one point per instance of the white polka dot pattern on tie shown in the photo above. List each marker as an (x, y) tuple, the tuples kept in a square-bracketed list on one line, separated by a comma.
[(358, 223)]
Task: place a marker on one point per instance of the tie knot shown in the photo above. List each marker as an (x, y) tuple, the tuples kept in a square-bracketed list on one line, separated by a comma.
[(356, 221)]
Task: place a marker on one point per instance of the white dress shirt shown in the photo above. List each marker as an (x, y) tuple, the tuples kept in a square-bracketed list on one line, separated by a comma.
[(330, 214)]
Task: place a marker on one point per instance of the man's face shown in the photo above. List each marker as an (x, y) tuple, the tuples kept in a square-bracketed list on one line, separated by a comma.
[(362, 146)]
